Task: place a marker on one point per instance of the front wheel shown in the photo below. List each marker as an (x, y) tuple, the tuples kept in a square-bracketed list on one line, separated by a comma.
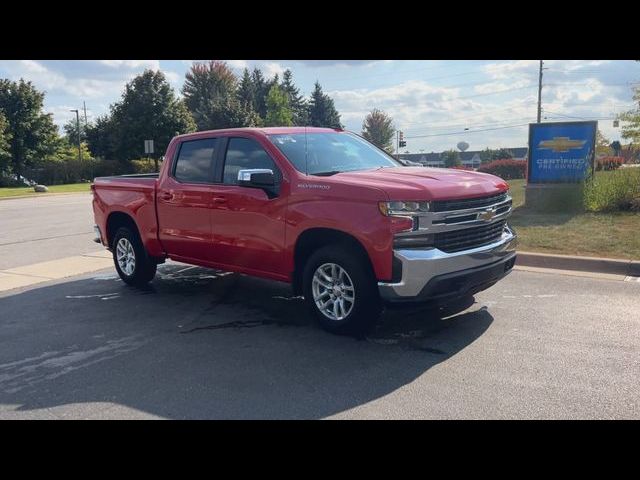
[(340, 289), (130, 258)]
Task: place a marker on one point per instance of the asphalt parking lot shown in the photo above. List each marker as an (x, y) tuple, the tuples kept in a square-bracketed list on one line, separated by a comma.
[(201, 344), (205, 344)]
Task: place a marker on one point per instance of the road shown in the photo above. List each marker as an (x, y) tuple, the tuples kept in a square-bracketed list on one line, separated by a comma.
[(37, 229), (202, 344)]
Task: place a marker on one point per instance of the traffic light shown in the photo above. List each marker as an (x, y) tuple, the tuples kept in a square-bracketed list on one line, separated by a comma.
[(401, 142)]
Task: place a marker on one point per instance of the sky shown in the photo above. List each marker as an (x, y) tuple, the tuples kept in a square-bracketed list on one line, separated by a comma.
[(436, 103)]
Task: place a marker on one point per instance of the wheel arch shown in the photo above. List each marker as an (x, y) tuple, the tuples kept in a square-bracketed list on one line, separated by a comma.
[(116, 220), (315, 238)]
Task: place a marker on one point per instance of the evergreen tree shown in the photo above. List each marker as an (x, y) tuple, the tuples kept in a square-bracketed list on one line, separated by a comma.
[(322, 112), (261, 91), (278, 110), (296, 101), (30, 132), (246, 90)]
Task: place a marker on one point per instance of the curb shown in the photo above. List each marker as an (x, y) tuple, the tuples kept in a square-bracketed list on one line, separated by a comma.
[(42, 195), (583, 264)]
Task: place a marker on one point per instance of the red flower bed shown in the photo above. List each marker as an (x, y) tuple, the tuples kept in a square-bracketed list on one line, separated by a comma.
[(507, 169)]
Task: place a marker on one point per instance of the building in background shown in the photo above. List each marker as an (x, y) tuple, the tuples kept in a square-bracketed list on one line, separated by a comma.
[(469, 159)]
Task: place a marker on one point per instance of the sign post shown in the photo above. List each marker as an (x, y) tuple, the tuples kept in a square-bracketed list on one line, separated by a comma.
[(561, 158), (148, 149)]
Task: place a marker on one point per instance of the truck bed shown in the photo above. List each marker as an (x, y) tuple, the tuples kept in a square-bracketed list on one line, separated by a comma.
[(132, 194)]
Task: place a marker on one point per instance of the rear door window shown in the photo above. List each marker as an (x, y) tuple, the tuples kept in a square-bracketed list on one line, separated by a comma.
[(195, 161)]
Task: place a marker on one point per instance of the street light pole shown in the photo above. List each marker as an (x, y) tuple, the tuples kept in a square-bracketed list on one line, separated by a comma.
[(78, 126)]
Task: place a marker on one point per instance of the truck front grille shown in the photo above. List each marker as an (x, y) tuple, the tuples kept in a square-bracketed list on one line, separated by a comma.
[(463, 204), (468, 238)]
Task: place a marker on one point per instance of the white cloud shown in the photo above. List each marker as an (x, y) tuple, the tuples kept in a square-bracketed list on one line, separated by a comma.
[(506, 70), (131, 64), (272, 68), (239, 64), (172, 77)]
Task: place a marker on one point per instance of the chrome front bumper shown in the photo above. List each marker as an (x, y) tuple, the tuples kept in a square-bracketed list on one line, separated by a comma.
[(421, 266)]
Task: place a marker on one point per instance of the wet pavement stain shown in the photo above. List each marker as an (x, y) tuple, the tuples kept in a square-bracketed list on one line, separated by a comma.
[(267, 303)]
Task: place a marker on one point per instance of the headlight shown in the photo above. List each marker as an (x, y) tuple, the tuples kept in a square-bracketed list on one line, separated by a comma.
[(403, 208)]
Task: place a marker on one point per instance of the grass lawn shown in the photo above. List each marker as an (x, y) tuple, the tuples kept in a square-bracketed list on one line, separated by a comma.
[(69, 188), (614, 235)]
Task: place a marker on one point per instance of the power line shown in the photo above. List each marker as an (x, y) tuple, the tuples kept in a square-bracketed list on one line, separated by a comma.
[(468, 131)]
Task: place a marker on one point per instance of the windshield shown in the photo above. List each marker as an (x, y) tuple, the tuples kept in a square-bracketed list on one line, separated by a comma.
[(329, 153)]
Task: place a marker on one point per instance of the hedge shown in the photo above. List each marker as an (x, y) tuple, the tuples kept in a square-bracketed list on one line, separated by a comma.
[(609, 163), (507, 169)]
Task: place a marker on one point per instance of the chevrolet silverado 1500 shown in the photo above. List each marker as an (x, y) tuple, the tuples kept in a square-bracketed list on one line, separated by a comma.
[(325, 210)]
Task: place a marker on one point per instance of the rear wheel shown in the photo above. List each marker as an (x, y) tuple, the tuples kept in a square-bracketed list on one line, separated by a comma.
[(130, 258), (340, 289)]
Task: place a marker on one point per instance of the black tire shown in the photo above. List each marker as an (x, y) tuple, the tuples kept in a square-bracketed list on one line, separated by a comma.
[(366, 306), (144, 268)]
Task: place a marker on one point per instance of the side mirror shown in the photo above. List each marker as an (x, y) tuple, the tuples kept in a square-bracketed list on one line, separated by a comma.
[(262, 178), (256, 177)]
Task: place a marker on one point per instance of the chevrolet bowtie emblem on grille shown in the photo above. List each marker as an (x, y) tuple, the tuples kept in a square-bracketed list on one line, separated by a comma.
[(561, 144), (487, 215)]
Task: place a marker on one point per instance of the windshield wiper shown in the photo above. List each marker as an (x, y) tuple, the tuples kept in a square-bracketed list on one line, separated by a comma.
[(327, 174)]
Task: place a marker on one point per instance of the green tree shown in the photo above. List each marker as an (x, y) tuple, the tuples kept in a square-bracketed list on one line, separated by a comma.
[(71, 131), (602, 144), (31, 132), (278, 110), (5, 137), (377, 127), (149, 110), (451, 158), (298, 105), (322, 112), (631, 119), (102, 138)]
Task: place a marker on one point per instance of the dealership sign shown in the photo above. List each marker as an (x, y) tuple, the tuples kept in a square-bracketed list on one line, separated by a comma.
[(561, 152)]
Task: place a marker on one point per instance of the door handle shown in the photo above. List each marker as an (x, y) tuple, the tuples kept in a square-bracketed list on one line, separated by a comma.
[(166, 196), (219, 200)]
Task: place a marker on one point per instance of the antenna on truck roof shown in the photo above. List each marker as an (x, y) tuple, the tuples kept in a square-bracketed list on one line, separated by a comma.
[(306, 156)]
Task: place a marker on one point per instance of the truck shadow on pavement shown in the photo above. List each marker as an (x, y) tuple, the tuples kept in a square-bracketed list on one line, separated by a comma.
[(199, 343)]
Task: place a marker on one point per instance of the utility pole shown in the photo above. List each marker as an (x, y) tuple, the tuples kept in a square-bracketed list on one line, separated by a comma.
[(84, 106), (397, 141), (540, 92), (78, 126)]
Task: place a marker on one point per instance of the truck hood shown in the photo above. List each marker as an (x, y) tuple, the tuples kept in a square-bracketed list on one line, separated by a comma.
[(425, 183)]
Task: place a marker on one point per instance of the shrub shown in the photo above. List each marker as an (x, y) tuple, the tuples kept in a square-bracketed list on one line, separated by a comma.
[(618, 190), (507, 169), (609, 163), (145, 165)]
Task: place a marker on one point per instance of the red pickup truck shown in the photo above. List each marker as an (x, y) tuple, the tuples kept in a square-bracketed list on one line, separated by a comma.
[(323, 209)]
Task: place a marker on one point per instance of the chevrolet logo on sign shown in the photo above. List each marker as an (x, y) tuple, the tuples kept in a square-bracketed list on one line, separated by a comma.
[(561, 144), (487, 215)]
